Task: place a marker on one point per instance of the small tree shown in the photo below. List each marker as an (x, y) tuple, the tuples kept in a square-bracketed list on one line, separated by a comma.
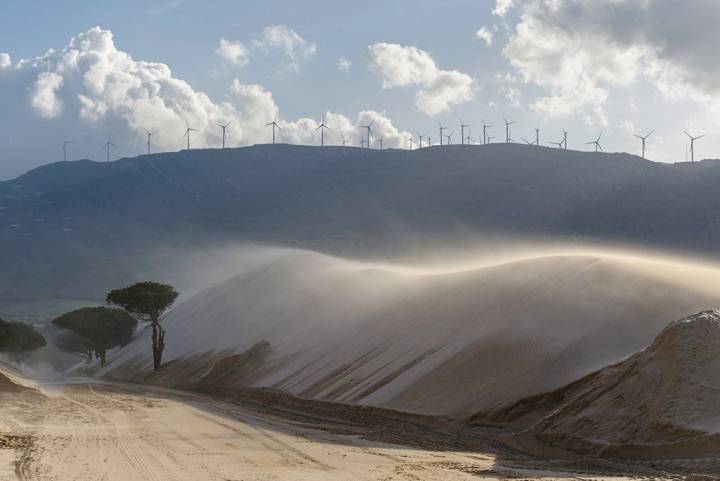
[(101, 327), (70, 342), (147, 301), (16, 337)]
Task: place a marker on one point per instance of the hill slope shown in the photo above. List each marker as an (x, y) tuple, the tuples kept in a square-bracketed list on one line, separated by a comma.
[(662, 402), (75, 229), (449, 342)]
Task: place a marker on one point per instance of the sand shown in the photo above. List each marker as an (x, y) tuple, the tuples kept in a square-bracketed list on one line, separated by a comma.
[(84, 430), (661, 403), (442, 342)]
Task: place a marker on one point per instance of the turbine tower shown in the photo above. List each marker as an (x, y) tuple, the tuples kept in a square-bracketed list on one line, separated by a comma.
[(410, 142), (65, 150), (149, 134), (507, 130), (344, 141), (643, 139), (187, 133), (107, 146), (468, 139), (322, 128), (692, 144), (490, 139), (275, 125), (442, 129), (596, 142), (420, 137), (223, 127), (449, 137), (429, 141), (537, 136), (380, 140), (565, 134), (485, 127), (369, 131), (462, 132)]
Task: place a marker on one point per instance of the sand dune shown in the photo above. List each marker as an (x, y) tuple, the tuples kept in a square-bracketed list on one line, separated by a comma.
[(447, 342), (660, 403)]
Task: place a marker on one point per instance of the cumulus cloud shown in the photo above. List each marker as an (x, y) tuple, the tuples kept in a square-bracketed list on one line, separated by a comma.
[(5, 61), (402, 66), (233, 52), (344, 65), (502, 7), (485, 34), (44, 98), (579, 49), (92, 81), (288, 41)]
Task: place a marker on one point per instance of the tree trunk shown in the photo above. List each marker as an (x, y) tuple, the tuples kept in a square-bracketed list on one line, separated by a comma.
[(158, 343)]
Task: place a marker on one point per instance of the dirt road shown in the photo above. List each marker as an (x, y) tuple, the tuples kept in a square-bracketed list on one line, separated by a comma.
[(84, 430)]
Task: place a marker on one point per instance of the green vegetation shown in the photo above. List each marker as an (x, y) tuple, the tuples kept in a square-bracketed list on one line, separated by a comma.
[(95, 330), (147, 301), (16, 337)]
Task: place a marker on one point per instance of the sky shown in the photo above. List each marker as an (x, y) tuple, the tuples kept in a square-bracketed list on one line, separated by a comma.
[(99, 71)]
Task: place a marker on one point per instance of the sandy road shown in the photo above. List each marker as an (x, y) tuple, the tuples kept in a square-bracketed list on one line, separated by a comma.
[(84, 430)]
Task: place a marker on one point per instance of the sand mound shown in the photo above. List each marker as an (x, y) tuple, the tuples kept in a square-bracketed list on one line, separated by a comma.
[(451, 342), (663, 401)]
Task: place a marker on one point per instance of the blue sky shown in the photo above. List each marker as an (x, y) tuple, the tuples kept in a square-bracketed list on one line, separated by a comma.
[(586, 66)]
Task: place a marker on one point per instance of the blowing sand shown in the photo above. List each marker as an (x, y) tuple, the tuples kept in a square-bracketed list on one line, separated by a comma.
[(440, 342)]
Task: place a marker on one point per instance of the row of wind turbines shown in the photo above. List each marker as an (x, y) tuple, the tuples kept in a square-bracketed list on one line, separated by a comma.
[(365, 141)]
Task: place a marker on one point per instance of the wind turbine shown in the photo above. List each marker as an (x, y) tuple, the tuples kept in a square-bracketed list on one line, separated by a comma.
[(692, 144), (441, 132), (380, 140), (187, 133), (362, 142), (107, 146), (643, 139), (462, 131), (468, 139), (559, 144), (410, 142), (275, 125), (537, 136), (507, 130), (322, 128), (344, 141), (485, 137), (149, 134), (490, 139), (223, 127), (565, 134), (596, 143), (369, 131), (429, 141), (65, 145), (420, 137), (449, 137)]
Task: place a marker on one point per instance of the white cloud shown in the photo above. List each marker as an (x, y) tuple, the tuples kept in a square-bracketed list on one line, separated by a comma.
[(5, 61), (289, 42), (344, 65), (402, 66), (579, 49), (485, 34), (44, 97), (233, 52), (92, 81), (502, 7)]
